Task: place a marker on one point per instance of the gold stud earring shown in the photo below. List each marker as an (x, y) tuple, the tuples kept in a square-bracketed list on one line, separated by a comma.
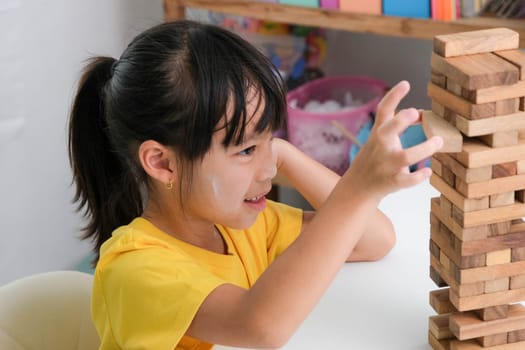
[(169, 185)]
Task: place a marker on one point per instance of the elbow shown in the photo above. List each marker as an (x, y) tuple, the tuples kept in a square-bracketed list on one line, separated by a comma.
[(268, 333), (385, 245)]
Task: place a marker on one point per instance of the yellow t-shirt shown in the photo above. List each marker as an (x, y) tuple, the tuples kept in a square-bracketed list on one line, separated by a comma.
[(149, 285)]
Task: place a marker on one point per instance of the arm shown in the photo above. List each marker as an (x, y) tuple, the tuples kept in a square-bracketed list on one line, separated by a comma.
[(315, 182), (254, 318)]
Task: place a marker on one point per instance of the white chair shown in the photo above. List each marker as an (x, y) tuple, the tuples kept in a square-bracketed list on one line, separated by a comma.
[(48, 311)]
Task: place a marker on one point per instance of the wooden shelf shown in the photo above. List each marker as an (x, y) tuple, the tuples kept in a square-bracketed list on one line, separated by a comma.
[(363, 23)]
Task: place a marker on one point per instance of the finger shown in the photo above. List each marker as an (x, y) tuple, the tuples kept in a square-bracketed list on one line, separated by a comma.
[(412, 179), (388, 104), (401, 121), (422, 151)]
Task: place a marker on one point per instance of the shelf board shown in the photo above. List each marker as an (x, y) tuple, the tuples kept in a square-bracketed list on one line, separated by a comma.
[(355, 22)]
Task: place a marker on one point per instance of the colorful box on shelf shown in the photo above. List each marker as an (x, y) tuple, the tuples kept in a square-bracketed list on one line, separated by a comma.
[(407, 8), (370, 6), (308, 3), (329, 4)]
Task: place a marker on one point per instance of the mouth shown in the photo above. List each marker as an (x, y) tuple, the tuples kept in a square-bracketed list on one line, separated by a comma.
[(254, 199), (257, 198)]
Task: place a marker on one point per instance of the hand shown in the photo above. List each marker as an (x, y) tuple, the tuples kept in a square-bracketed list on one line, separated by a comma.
[(382, 165)]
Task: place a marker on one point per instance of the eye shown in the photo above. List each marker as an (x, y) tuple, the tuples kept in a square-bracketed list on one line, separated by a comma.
[(247, 151)]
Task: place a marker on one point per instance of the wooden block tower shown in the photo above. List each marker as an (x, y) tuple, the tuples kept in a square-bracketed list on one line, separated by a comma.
[(477, 238)]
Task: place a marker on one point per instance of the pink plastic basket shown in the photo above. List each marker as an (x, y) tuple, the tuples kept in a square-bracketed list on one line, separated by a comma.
[(315, 133)]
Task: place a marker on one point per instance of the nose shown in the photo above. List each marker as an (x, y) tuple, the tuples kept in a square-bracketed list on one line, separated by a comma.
[(268, 165)]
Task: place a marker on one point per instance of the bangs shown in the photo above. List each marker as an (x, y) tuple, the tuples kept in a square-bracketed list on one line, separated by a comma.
[(229, 74)]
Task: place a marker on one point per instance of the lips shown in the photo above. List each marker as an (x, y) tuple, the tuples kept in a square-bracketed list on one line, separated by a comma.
[(256, 198), (253, 199)]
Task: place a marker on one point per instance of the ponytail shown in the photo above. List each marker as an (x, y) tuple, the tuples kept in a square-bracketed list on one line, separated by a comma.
[(106, 190)]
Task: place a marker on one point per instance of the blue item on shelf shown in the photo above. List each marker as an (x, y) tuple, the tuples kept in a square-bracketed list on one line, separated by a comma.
[(412, 136), (407, 8)]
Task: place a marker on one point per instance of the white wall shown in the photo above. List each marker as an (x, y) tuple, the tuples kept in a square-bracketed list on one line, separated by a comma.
[(43, 46)]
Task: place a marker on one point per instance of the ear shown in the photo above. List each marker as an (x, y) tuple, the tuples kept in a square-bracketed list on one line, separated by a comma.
[(158, 161)]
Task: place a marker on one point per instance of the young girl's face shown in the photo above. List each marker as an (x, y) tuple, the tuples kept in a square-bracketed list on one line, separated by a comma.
[(230, 184)]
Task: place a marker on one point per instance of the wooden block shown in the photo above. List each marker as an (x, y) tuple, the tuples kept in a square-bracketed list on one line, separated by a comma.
[(517, 254), (476, 71), (490, 272), (440, 302), (498, 257), (501, 138), (464, 234), (476, 154), (517, 282), (493, 312), (439, 79), (494, 186), (448, 176), (484, 300), (436, 277), (436, 344), (454, 87), (492, 340), (492, 215), (438, 326), (498, 285), (494, 93), (468, 175), (434, 249), (491, 125), (504, 169), (478, 41), (437, 108), (449, 278), (458, 199), (495, 243), (433, 125), (467, 325), (436, 166), (501, 199), (444, 247), (516, 57), (516, 336), (468, 109), (520, 167), (473, 345)]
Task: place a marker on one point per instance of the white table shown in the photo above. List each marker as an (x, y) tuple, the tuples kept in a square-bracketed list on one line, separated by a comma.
[(381, 305)]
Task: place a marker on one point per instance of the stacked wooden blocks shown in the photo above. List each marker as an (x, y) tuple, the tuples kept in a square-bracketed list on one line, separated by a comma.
[(477, 239)]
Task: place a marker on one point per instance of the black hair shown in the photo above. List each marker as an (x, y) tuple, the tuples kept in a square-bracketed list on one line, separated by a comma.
[(172, 84)]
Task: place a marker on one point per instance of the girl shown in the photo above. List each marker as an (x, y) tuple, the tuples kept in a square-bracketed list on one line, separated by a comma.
[(172, 154)]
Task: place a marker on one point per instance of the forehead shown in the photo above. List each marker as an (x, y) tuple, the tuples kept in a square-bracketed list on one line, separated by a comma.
[(255, 104)]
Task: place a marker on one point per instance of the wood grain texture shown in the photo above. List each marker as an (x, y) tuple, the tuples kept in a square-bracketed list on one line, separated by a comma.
[(516, 57), (476, 71), (476, 154), (468, 326), (468, 175), (491, 125), (434, 125), (468, 109), (495, 93), (473, 42), (440, 302)]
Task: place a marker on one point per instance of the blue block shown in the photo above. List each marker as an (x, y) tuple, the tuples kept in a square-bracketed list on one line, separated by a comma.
[(308, 3), (407, 8)]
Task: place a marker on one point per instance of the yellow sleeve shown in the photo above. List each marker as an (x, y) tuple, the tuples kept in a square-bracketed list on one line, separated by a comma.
[(147, 298), (283, 224)]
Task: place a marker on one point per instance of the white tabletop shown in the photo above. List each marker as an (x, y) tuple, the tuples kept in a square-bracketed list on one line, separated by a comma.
[(380, 305)]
